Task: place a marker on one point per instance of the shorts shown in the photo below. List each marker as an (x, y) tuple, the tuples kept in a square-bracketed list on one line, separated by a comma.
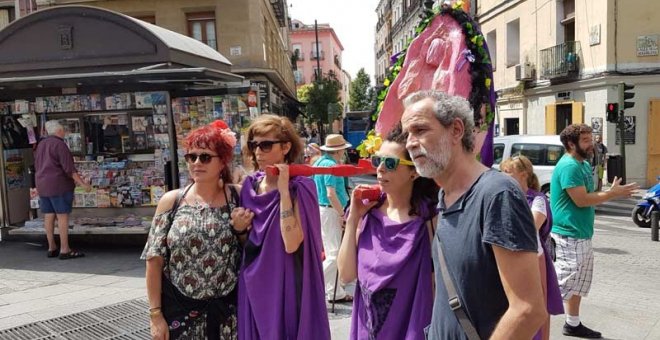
[(574, 265), (600, 170), (60, 204)]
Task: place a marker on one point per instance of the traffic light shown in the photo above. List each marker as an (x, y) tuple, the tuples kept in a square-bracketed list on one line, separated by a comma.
[(612, 110), (623, 96)]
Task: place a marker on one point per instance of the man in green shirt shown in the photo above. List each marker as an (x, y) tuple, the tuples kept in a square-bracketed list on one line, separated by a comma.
[(572, 199)]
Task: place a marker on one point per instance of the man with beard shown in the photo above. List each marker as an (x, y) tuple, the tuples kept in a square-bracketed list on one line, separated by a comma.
[(485, 231), (572, 200)]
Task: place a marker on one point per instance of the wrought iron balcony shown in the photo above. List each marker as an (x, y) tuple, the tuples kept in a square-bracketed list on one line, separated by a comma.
[(561, 61)]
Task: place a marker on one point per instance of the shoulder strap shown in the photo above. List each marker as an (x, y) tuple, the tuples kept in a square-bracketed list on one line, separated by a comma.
[(454, 301), (234, 194), (170, 218)]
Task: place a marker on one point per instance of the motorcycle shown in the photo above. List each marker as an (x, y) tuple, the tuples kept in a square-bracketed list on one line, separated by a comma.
[(641, 214)]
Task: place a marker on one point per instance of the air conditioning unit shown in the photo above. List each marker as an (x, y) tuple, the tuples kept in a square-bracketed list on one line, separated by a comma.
[(525, 71)]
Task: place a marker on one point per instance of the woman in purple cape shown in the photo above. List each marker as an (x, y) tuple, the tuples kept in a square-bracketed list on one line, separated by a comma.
[(387, 246), (280, 285), (522, 170)]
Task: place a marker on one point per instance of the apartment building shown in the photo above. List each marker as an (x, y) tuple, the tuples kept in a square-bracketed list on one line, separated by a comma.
[(252, 34), (328, 56), (383, 41), (559, 62)]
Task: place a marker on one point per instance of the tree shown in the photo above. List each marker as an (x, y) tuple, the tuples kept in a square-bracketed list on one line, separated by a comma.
[(322, 95), (360, 92), (303, 93)]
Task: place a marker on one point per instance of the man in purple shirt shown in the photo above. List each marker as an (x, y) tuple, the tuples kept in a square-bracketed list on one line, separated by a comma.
[(56, 178)]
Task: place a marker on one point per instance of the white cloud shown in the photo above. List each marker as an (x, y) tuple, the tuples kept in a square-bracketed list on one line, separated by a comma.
[(354, 22)]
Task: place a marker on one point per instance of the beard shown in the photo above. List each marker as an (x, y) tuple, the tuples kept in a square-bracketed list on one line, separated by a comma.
[(584, 153), (435, 160)]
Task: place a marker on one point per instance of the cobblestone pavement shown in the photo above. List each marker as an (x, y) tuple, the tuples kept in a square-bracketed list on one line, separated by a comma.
[(56, 299)]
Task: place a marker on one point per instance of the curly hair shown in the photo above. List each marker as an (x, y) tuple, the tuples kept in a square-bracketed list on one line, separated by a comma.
[(284, 131), (522, 164), (425, 190), (209, 137), (572, 134)]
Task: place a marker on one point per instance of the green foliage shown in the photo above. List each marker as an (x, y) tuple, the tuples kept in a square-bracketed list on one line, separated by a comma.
[(322, 95), (303, 93), (360, 99)]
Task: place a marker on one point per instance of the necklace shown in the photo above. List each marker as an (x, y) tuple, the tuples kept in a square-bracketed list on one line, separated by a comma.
[(200, 204)]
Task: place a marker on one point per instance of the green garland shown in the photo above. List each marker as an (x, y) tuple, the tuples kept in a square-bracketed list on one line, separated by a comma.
[(479, 60)]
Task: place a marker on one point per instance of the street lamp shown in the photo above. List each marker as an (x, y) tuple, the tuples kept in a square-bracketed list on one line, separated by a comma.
[(428, 4)]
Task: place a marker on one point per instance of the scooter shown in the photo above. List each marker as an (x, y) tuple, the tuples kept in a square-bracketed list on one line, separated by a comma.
[(641, 214)]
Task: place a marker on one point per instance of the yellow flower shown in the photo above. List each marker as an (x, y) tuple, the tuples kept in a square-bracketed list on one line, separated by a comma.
[(386, 82), (458, 4), (371, 145), (488, 82)]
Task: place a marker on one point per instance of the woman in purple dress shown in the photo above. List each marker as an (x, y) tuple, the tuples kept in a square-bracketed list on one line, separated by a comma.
[(522, 170), (280, 285), (387, 247)]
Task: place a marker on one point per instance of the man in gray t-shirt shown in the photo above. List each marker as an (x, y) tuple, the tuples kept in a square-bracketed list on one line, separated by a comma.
[(485, 226)]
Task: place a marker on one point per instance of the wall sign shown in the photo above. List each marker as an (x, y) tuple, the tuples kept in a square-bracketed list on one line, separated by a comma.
[(594, 35), (629, 130), (647, 45), (597, 125), (65, 36)]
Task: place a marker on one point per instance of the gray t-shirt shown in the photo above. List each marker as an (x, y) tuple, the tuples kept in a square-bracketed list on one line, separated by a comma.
[(493, 211)]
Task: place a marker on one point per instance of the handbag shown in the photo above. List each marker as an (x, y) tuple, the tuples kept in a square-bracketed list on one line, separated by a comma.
[(180, 311)]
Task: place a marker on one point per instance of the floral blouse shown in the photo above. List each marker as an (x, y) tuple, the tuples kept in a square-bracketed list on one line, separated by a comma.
[(204, 257)]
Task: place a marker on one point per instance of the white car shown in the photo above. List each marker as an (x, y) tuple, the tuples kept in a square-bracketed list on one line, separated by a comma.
[(543, 151)]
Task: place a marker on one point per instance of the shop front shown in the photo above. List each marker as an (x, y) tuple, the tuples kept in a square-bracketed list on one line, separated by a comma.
[(127, 93)]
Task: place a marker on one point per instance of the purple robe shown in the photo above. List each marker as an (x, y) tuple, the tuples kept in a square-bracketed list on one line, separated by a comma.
[(394, 294), (555, 302), (280, 295)]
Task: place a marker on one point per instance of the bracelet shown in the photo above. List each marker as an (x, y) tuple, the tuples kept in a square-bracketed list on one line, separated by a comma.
[(154, 312), (239, 233)]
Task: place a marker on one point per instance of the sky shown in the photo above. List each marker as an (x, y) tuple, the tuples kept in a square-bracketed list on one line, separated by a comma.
[(354, 22)]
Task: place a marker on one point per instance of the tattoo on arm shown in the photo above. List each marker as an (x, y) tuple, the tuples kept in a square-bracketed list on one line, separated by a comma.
[(286, 213), (287, 228)]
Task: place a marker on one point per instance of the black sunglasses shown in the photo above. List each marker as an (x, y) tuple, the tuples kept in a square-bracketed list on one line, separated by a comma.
[(264, 145), (391, 163), (204, 158)]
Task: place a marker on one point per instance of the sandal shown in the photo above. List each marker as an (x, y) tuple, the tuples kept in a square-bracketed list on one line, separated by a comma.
[(71, 255), (346, 298), (54, 253)]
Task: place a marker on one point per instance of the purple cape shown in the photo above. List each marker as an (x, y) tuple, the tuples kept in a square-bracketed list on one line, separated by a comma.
[(394, 294), (280, 295), (555, 302)]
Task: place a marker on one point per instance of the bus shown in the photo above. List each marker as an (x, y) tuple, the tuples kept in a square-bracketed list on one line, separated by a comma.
[(356, 126)]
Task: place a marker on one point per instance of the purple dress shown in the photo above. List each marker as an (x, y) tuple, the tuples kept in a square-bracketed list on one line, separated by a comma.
[(394, 295), (555, 302), (280, 295)]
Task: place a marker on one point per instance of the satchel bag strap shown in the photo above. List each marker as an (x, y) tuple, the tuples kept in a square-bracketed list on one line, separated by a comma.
[(454, 301), (170, 219)]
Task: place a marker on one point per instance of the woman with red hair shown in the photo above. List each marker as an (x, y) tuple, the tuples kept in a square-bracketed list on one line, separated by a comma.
[(193, 249)]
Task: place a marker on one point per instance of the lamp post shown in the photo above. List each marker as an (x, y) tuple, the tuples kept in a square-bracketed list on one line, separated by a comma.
[(318, 79), (428, 4)]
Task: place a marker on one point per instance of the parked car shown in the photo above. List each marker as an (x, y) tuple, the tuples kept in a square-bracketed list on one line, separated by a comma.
[(543, 151)]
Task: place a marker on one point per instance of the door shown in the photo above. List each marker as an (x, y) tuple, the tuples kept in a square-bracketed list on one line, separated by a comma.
[(653, 157), (564, 117), (551, 119), (512, 126)]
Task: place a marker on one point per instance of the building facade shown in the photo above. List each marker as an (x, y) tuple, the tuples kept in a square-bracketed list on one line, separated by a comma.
[(559, 62), (252, 34), (383, 42)]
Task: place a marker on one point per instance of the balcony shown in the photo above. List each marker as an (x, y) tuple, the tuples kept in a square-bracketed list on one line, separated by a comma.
[(314, 55), (561, 62)]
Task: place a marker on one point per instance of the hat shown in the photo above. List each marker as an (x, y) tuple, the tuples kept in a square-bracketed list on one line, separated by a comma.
[(335, 142)]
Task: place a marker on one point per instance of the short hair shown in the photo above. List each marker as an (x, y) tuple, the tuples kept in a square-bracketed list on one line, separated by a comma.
[(572, 134), (522, 164), (446, 108), (209, 137), (52, 126), (284, 131)]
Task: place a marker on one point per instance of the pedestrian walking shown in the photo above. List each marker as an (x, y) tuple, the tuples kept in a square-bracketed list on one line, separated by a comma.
[(599, 161), (572, 200), (487, 276), (522, 170), (281, 280), (193, 249), (332, 199), (56, 178), (387, 247)]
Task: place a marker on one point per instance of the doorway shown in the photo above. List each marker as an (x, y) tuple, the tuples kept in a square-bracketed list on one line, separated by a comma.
[(511, 126), (564, 117)]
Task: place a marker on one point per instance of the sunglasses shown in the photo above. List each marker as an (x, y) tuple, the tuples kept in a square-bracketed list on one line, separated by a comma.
[(204, 158), (391, 163), (265, 145)]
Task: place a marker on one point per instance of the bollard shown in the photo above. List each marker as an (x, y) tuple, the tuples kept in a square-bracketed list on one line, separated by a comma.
[(655, 221)]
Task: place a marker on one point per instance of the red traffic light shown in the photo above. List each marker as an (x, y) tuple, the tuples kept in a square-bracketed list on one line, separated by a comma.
[(610, 107)]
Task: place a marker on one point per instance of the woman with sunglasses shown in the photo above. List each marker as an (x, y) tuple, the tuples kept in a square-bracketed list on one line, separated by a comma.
[(522, 170), (387, 247), (192, 252), (280, 294)]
